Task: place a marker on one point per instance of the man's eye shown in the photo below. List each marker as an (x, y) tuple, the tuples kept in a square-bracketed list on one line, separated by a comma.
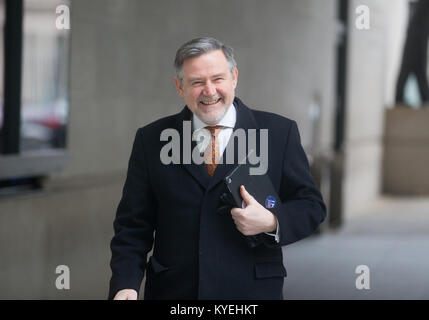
[(218, 79), (196, 83)]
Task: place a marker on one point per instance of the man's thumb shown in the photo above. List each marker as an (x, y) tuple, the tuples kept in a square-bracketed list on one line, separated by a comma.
[(247, 197)]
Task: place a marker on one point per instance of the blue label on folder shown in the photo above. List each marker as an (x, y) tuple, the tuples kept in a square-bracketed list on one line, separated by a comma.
[(270, 202)]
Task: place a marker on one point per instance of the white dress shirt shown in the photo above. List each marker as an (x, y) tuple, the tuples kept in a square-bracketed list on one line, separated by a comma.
[(228, 123)]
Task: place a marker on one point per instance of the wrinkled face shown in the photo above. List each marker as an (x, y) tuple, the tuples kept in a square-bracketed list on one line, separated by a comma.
[(208, 86)]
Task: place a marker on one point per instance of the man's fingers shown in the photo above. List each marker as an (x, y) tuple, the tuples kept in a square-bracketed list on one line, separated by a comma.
[(121, 296), (236, 212), (126, 294)]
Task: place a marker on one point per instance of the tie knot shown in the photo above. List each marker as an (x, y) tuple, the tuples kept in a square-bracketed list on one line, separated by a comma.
[(214, 130)]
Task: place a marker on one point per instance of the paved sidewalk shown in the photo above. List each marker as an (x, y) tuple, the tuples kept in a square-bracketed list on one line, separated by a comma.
[(391, 238)]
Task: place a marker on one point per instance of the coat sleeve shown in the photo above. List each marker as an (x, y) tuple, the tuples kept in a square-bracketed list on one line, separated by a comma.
[(134, 224), (302, 208)]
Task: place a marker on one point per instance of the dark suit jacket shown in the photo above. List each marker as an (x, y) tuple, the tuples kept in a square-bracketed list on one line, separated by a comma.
[(198, 253)]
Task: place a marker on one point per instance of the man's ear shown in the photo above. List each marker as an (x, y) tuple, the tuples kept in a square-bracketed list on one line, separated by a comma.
[(235, 77), (178, 84)]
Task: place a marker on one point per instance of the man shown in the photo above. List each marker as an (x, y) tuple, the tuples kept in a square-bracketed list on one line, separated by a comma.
[(200, 250)]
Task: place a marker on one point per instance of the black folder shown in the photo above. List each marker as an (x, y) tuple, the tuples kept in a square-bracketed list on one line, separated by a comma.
[(259, 186)]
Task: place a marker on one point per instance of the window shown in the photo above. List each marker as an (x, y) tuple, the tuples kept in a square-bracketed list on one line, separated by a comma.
[(44, 96), (34, 98)]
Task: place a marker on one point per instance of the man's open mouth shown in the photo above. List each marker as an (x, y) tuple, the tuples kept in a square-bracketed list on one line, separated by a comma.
[(210, 102)]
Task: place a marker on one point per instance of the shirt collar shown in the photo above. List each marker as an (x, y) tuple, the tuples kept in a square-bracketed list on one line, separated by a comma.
[(228, 119)]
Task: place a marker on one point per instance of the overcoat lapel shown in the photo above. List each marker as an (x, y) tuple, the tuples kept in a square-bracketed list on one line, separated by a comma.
[(198, 171)]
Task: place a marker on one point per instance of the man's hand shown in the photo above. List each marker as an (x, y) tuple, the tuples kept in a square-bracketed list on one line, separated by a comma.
[(253, 219), (126, 294)]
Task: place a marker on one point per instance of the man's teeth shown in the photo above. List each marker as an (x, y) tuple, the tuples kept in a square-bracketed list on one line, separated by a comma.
[(210, 102)]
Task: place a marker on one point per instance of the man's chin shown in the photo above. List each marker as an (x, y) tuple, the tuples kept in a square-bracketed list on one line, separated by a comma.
[(212, 119)]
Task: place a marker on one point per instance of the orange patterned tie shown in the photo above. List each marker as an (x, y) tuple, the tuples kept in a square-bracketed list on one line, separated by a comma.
[(211, 155)]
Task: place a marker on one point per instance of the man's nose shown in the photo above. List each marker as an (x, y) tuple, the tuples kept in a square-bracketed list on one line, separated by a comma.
[(209, 89)]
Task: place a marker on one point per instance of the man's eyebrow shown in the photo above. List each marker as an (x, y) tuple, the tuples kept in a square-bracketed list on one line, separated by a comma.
[(200, 79), (219, 75), (194, 79)]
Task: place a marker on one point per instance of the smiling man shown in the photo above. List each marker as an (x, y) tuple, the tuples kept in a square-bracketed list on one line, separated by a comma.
[(199, 247), (207, 83)]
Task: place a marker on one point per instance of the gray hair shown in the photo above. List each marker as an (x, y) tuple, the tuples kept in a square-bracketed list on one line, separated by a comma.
[(199, 46)]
